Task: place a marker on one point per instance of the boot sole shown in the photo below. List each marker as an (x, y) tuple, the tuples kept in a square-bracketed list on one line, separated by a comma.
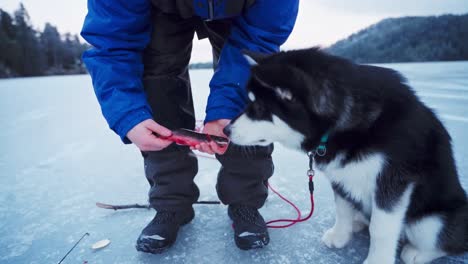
[(245, 244), (146, 248)]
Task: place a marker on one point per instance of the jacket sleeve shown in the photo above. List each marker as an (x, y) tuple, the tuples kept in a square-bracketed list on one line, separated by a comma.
[(118, 30), (263, 28)]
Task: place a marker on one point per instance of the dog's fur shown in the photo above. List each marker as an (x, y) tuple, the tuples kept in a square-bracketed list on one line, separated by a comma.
[(389, 158)]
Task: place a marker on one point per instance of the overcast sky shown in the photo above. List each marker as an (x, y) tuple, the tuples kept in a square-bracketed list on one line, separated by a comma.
[(320, 22)]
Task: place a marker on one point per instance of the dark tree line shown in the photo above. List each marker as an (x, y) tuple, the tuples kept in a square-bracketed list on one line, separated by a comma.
[(408, 39), (25, 51)]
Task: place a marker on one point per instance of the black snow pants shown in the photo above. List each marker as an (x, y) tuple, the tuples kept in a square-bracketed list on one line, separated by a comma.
[(170, 172)]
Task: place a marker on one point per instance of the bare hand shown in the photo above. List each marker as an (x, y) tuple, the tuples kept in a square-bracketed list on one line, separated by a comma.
[(142, 136), (214, 128)]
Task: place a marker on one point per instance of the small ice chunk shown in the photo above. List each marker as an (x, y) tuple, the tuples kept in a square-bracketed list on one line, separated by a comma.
[(101, 244)]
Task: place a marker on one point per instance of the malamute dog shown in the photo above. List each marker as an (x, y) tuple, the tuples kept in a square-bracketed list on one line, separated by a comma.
[(388, 158)]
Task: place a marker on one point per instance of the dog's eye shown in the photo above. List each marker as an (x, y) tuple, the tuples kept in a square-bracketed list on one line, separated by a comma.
[(256, 109)]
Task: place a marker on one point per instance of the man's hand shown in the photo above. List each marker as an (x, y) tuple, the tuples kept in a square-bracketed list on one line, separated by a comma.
[(213, 128), (142, 136)]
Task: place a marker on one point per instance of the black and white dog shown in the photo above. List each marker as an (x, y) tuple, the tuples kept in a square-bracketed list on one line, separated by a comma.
[(388, 157)]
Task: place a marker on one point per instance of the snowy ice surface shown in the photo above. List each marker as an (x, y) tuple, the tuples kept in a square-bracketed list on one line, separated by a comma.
[(57, 158)]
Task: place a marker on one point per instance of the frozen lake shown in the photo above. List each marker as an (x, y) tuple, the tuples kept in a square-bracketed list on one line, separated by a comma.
[(57, 158)]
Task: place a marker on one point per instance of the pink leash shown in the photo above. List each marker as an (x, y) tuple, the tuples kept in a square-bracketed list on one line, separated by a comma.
[(299, 219)]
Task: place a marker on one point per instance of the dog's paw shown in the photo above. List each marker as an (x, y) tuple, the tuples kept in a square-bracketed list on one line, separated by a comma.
[(333, 239), (411, 255), (408, 254)]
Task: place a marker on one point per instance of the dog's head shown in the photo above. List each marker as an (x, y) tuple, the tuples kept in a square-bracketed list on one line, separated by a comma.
[(293, 99)]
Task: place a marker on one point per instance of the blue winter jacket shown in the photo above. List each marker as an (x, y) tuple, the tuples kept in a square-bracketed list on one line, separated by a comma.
[(119, 30)]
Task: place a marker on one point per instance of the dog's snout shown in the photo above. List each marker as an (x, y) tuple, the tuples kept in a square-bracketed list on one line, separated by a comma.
[(227, 130)]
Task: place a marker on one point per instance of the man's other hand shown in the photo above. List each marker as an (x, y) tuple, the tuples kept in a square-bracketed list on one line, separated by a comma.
[(213, 128), (142, 136)]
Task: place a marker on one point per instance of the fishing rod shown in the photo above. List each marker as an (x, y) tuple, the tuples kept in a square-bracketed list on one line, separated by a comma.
[(76, 244)]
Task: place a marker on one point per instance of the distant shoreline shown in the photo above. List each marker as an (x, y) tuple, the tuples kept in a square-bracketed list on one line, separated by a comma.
[(198, 68)]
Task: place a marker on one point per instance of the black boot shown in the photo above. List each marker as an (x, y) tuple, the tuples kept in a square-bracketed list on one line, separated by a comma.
[(161, 232), (250, 229)]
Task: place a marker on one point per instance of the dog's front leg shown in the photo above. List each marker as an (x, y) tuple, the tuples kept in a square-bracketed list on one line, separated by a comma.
[(340, 234), (385, 229)]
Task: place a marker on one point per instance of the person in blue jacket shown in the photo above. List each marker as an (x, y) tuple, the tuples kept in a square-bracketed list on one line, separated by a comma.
[(139, 68)]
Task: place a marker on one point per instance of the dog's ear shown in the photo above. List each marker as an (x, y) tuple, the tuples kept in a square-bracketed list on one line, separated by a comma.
[(261, 76), (323, 98), (253, 58)]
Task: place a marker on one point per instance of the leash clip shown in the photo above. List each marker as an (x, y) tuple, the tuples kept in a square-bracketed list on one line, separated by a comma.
[(321, 150), (311, 171)]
